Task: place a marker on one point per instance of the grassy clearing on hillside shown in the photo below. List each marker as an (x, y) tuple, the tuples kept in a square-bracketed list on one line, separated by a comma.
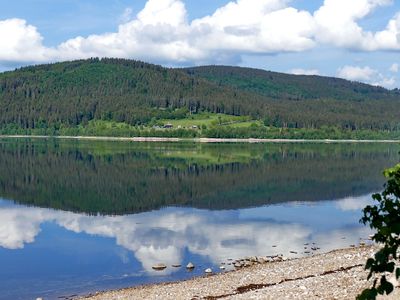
[(208, 119)]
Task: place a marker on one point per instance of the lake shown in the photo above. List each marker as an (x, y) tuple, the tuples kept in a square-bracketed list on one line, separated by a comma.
[(82, 216)]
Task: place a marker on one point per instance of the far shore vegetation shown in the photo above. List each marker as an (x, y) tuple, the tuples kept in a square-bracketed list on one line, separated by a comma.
[(201, 125)]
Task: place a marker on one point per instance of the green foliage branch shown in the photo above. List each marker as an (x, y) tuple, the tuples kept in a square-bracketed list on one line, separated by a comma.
[(384, 218)]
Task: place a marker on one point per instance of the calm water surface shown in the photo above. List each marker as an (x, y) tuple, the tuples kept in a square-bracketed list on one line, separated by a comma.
[(77, 217)]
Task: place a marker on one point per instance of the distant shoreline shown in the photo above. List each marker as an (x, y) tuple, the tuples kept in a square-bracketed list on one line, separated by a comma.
[(197, 140)]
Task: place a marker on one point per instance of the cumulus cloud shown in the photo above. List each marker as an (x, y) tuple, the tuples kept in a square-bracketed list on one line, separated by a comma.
[(162, 32), (304, 72), (356, 73), (250, 26), (337, 25), (387, 82), (21, 42), (367, 75), (388, 39)]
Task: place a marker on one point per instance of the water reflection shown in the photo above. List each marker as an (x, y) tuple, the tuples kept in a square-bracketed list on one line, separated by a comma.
[(164, 236), (69, 224), (122, 178), (355, 203)]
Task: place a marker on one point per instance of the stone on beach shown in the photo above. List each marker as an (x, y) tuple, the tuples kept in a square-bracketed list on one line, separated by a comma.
[(253, 259), (248, 264), (190, 266), (159, 267), (208, 271), (261, 260)]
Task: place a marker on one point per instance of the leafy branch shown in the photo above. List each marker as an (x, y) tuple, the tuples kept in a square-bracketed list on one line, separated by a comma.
[(384, 218)]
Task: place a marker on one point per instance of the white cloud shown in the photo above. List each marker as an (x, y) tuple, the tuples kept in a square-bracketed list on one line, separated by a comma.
[(304, 72), (387, 82), (249, 26), (21, 42), (367, 75), (356, 73), (161, 32), (389, 39), (337, 25), (394, 68)]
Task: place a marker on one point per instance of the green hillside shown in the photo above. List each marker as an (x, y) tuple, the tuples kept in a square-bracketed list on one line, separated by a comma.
[(76, 95), (291, 87)]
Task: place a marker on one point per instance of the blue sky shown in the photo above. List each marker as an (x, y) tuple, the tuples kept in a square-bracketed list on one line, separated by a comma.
[(357, 39)]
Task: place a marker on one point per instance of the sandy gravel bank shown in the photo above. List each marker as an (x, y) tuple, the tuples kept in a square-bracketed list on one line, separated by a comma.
[(198, 140), (335, 275)]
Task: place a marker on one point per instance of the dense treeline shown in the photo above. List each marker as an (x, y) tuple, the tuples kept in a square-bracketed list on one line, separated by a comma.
[(311, 101), (70, 94), (292, 87), (119, 178), (110, 89)]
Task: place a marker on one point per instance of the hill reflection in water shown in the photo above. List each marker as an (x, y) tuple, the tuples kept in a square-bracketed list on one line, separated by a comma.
[(121, 178)]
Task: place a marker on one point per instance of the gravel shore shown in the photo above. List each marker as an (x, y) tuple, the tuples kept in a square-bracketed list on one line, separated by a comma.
[(197, 140), (338, 274)]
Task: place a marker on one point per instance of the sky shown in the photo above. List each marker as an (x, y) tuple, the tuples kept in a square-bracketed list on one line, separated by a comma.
[(353, 39)]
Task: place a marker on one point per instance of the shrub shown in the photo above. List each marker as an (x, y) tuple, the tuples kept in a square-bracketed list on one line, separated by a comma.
[(384, 218)]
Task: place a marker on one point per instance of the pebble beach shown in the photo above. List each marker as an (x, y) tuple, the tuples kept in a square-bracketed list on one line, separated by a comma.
[(338, 274)]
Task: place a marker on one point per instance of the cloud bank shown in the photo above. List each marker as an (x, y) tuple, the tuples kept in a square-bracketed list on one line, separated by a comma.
[(161, 32)]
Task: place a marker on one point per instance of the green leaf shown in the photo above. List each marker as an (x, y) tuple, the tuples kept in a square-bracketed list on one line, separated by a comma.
[(369, 263), (385, 286), (368, 294)]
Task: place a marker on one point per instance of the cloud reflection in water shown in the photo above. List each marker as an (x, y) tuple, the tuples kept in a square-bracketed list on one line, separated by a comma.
[(165, 235)]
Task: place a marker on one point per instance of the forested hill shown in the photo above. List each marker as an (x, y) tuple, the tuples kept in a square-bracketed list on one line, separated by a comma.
[(293, 87), (121, 90), (74, 93)]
